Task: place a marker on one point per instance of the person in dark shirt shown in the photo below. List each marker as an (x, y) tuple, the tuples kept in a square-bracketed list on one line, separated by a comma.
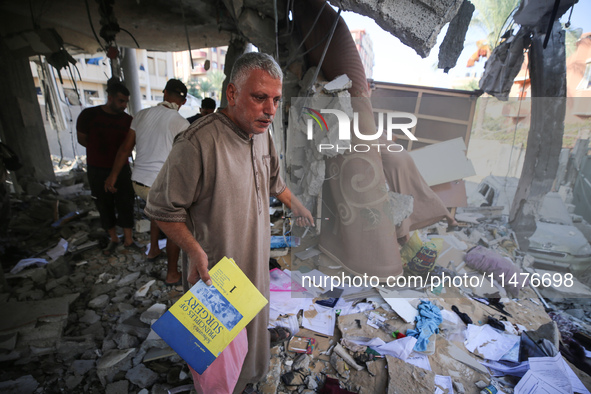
[(207, 107), (102, 130)]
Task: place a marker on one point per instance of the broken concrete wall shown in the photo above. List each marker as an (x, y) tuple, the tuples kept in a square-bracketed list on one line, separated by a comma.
[(415, 23)]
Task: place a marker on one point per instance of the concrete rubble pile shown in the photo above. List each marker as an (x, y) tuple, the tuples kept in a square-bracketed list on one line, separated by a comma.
[(80, 321)]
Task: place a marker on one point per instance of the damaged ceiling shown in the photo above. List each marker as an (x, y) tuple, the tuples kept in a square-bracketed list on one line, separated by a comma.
[(167, 25)]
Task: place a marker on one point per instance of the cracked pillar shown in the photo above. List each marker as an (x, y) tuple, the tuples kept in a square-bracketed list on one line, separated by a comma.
[(544, 141), (21, 119)]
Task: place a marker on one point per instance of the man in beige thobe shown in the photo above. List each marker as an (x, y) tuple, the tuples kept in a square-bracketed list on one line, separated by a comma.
[(212, 195)]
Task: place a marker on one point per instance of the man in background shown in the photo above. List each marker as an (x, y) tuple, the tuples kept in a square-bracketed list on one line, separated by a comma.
[(102, 130), (207, 107), (152, 133)]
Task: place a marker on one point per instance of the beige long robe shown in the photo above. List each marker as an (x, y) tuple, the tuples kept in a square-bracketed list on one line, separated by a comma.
[(404, 177), (219, 180)]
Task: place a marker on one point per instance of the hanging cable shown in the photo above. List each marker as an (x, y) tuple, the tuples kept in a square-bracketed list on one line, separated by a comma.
[(187, 35), (307, 35), (319, 65), (516, 123), (132, 37), (276, 30), (92, 26)]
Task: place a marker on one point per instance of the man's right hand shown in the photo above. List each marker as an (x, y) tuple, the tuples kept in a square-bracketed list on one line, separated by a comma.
[(198, 269), (110, 184)]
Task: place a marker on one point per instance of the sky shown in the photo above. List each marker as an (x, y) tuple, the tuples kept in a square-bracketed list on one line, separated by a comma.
[(398, 63)]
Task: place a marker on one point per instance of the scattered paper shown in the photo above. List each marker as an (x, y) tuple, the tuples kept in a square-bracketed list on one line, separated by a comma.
[(290, 322), (161, 245), (59, 250), (549, 375), (285, 303), (399, 348), (401, 306), (372, 343), (24, 263), (489, 343), (421, 361), (319, 319), (375, 320), (444, 383), (502, 369)]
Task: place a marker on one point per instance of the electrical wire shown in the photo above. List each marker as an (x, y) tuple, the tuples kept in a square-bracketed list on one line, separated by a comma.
[(295, 56), (132, 37), (92, 26), (187, 35), (276, 29)]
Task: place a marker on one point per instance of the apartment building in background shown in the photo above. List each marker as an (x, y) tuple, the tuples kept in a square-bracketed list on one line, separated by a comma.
[(182, 62), (365, 48)]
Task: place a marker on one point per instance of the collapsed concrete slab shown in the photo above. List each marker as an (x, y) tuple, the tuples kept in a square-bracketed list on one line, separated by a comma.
[(415, 23)]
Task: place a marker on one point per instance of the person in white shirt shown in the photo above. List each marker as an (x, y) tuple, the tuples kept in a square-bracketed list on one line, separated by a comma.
[(152, 133)]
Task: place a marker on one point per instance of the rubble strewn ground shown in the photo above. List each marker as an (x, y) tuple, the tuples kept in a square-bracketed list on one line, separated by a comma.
[(81, 322)]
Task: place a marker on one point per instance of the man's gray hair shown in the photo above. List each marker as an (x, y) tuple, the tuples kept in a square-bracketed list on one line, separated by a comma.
[(251, 61)]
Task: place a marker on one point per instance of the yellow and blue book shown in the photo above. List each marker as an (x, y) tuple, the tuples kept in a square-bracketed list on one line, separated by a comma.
[(206, 319)]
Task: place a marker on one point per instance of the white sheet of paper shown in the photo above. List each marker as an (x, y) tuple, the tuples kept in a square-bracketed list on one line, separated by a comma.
[(549, 375), (59, 250), (320, 319), (421, 361), (285, 303), (401, 306), (445, 383), (373, 343), (488, 342), (399, 348), (161, 245)]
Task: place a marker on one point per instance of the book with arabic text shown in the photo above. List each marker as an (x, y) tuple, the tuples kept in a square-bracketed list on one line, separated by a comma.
[(206, 319)]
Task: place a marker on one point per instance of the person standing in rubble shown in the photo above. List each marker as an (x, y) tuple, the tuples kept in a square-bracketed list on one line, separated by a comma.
[(212, 196), (152, 133), (102, 130)]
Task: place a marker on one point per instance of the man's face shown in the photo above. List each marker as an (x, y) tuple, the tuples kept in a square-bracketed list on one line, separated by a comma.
[(253, 104), (117, 103)]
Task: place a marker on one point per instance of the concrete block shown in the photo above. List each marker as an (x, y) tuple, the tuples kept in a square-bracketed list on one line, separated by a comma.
[(81, 367), (59, 267), (416, 23), (24, 384), (128, 279), (125, 341), (141, 376), (90, 317), (259, 31), (119, 387), (112, 362), (99, 302), (153, 313)]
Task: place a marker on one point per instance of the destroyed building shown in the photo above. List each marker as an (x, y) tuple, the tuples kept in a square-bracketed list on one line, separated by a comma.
[(78, 321)]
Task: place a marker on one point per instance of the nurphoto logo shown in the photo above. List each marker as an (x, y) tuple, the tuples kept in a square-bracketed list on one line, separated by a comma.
[(402, 121)]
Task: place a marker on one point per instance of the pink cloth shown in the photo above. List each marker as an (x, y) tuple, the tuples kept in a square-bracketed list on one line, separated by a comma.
[(223, 373)]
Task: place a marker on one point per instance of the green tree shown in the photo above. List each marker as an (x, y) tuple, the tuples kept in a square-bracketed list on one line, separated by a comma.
[(206, 88), (493, 16), (217, 78), (193, 88)]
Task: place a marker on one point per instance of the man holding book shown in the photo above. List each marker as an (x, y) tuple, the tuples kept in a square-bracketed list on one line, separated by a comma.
[(212, 195)]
